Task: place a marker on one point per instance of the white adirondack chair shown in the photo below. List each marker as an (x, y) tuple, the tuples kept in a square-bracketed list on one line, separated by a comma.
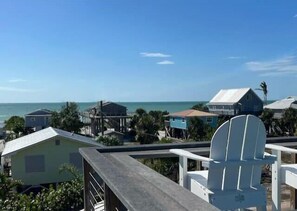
[(232, 180), (281, 174)]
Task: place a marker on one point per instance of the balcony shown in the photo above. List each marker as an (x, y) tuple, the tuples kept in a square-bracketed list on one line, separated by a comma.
[(115, 180)]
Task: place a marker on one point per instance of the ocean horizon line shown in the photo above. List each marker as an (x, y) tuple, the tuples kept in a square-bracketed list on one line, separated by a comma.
[(177, 101)]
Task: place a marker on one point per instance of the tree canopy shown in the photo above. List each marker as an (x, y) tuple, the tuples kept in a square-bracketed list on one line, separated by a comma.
[(146, 129), (288, 121), (109, 141), (201, 107), (66, 196), (267, 118), (15, 124), (264, 89), (198, 131), (68, 118)]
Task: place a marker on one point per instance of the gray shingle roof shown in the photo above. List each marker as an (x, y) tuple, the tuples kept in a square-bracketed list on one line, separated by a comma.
[(43, 135)]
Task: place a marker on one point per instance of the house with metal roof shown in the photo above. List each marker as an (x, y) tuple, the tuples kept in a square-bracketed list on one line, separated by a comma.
[(279, 106), (37, 157), (232, 102), (38, 119), (180, 121)]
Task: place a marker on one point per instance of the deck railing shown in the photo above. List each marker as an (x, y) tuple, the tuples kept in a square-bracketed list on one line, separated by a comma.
[(114, 178)]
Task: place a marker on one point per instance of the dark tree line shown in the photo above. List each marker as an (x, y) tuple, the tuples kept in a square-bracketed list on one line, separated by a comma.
[(284, 126)]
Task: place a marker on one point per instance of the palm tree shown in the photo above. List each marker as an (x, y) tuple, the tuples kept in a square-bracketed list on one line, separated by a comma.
[(263, 88)]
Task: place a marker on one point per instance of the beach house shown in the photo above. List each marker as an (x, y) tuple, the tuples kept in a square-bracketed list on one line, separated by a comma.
[(37, 157), (105, 114), (279, 106), (232, 102), (38, 119), (180, 121)]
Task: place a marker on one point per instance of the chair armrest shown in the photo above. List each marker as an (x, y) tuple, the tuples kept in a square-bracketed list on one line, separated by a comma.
[(280, 148), (189, 155)]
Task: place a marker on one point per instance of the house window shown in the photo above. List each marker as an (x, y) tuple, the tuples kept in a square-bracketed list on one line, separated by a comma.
[(34, 163), (173, 119), (209, 120), (33, 119), (75, 159), (57, 142), (183, 119)]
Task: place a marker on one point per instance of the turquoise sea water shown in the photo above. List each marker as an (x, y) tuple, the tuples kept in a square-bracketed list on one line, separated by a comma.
[(20, 109)]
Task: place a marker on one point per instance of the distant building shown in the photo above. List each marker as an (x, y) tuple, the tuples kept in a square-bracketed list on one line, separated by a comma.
[(106, 114), (180, 121), (38, 120), (278, 107), (37, 157), (232, 102)]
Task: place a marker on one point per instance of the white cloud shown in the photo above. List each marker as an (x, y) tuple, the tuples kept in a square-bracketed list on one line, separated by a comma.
[(282, 66), (157, 55), (16, 80), (14, 89), (165, 62)]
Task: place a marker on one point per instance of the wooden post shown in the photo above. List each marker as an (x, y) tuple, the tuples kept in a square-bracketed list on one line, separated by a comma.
[(101, 115), (125, 125), (86, 170), (293, 195), (111, 201)]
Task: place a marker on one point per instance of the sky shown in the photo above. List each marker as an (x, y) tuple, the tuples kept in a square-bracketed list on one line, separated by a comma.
[(145, 50)]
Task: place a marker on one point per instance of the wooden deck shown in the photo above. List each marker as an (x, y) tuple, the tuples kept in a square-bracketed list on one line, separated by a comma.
[(129, 185)]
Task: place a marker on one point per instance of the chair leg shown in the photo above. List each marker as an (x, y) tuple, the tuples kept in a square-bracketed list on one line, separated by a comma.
[(276, 182)]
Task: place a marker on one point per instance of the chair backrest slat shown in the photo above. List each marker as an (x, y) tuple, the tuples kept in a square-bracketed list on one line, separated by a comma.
[(259, 153), (248, 150), (234, 149), (218, 152)]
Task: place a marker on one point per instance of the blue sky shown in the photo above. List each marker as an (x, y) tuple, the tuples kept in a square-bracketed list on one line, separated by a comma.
[(148, 50)]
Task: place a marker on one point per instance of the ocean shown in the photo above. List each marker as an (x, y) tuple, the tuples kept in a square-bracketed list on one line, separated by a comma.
[(20, 109)]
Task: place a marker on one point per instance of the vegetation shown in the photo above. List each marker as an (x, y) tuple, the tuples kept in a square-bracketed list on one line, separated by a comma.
[(201, 107), (109, 141), (15, 124), (66, 196), (263, 88), (68, 118), (286, 126), (288, 121), (145, 125), (159, 118), (267, 118), (146, 130), (165, 141), (198, 131)]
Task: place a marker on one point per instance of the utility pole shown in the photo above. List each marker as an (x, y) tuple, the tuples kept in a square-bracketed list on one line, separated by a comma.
[(102, 120)]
